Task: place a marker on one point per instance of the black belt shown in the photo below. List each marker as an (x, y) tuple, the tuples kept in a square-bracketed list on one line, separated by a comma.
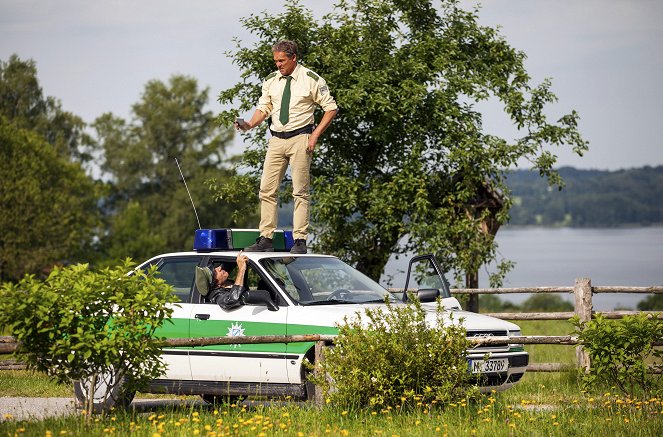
[(293, 133)]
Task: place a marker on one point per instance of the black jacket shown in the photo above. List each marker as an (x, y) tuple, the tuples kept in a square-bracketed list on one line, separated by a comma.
[(228, 298)]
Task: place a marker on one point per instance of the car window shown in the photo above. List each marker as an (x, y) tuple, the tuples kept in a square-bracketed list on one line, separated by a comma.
[(323, 280), (424, 275), (179, 272)]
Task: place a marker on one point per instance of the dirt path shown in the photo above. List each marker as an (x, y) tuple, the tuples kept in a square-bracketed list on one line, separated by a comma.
[(40, 408)]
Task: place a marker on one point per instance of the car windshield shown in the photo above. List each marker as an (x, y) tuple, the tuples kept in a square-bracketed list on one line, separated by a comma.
[(324, 281)]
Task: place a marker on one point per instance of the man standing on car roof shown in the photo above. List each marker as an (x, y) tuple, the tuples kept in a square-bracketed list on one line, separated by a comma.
[(289, 97)]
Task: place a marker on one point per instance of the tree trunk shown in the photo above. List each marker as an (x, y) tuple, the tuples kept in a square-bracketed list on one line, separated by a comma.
[(472, 281)]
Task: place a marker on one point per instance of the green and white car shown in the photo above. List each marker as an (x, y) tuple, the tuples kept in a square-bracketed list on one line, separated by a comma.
[(308, 294)]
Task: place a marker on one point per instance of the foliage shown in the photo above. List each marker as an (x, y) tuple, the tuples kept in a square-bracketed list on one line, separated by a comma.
[(619, 352), (148, 208), (78, 323), (591, 198), (407, 154), (489, 303), (651, 303), (22, 101), (385, 356), (546, 303), (48, 209)]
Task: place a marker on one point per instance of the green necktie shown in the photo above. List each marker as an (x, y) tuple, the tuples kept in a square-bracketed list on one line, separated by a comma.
[(285, 102)]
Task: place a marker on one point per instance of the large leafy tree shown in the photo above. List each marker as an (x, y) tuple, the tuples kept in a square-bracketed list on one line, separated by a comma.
[(148, 207), (406, 165), (48, 210), (22, 100)]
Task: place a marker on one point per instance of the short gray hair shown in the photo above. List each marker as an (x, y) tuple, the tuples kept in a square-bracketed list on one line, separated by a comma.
[(285, 46)]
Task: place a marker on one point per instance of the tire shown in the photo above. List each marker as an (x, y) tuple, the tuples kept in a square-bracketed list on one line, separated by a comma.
[(105, 396), (221, 399)]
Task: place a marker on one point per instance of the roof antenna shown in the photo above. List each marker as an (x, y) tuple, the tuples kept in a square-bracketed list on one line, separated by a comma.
[(187, 190)]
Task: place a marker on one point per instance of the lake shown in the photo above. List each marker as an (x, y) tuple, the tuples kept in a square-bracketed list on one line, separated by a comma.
[(556, 256)]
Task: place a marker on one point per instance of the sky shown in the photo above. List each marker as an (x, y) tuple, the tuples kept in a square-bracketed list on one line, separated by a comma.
[(604, 57)]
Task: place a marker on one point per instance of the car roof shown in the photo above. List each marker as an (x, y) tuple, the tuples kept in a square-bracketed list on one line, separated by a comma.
[(251, 255)]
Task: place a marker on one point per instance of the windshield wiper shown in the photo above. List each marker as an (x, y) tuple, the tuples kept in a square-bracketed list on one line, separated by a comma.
[(327, 302)]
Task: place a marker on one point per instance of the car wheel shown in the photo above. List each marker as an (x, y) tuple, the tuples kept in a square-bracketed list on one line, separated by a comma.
[(110, 391), (221, 399)]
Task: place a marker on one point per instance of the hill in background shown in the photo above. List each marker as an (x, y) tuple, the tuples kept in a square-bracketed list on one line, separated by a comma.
[(591, 198)]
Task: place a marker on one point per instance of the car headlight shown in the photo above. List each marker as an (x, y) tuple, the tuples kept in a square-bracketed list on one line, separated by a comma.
[(516, 333)]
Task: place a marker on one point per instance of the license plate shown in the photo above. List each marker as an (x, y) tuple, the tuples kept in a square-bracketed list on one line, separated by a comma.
[(489, 366)]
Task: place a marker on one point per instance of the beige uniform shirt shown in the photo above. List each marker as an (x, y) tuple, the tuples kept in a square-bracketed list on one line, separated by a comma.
[(307, 89)]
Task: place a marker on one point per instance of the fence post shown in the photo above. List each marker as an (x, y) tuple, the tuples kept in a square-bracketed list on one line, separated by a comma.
[(319, 398), (582, 291)]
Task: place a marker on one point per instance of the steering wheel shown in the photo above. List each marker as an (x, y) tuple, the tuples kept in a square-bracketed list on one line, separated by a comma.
[(338, 294)]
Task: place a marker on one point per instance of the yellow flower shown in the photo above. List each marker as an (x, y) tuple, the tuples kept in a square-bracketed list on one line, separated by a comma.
[(626, 420), (344, 413), (555, 423)]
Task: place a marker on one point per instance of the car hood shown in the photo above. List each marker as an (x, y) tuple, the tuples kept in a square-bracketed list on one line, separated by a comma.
[(334, 315)]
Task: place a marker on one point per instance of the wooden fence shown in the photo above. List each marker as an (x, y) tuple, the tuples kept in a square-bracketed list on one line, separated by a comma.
[(583, 308), (582, 291)]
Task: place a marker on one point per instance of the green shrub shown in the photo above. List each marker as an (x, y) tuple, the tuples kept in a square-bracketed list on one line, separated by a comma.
[(78, 323), (399, 355), (621, 351)]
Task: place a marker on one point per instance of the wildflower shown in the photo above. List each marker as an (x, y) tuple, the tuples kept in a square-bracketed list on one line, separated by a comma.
[(626, 420), (555, 423)]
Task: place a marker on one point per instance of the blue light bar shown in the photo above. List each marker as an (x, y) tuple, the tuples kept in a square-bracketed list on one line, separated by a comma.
[(234, 239)]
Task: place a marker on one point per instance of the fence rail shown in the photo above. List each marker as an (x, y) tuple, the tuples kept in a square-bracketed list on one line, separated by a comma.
[(582, 291)]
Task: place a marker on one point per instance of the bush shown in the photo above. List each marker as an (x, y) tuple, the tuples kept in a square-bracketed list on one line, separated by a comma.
[(396, 356), (78, 323), (620, 352)]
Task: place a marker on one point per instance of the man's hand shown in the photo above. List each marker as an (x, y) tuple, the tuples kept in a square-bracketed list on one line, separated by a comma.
[(241, 260), (312, 141), (242, 125)]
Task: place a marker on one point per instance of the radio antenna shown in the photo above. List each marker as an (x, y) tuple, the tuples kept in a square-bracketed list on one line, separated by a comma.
[(188, 192)]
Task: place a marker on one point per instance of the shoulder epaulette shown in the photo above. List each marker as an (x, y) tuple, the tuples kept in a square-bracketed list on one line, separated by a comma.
[(271, 76), (313, 75)]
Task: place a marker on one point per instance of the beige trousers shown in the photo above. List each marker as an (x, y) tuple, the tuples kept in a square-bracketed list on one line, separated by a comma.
[(280, 153)]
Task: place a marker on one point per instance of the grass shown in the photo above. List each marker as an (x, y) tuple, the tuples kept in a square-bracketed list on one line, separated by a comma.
[(604, 415), (541, 404)]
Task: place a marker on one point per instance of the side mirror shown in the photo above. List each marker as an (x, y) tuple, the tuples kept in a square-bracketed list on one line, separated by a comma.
[(427, 294), (260, 297)]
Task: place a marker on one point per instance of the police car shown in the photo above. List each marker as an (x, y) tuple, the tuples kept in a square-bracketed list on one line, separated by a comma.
[(296, 294)]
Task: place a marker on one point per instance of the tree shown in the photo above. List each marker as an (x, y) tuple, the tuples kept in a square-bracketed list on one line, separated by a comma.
[(148, 207), (546, 303), (22, 101), (48, 211), (651, 303), (402, 164), (82, 325)]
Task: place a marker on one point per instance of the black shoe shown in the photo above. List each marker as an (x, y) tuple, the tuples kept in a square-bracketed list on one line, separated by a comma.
[(262, 244), (299, 246)]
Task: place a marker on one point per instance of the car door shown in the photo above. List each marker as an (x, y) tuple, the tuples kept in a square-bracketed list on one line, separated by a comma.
[(259, 363), (178, 271)]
